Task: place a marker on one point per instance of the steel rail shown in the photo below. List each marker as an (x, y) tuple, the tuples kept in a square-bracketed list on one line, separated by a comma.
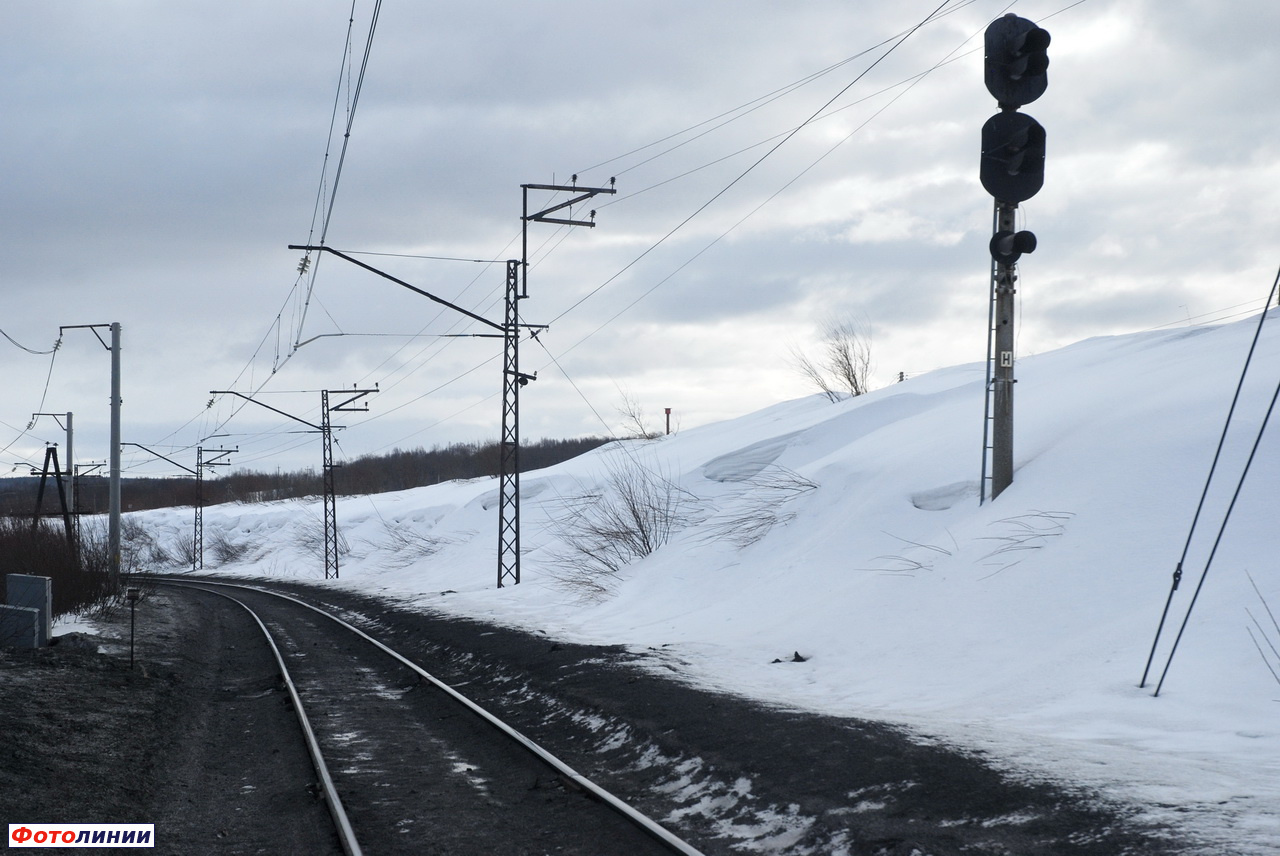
[(346, 835), (643, 821)]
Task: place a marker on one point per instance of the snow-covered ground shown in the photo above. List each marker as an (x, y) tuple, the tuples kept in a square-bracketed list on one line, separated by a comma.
[(852, 534)]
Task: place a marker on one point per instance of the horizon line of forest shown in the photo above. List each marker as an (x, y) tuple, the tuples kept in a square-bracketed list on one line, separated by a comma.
[(399, 469)]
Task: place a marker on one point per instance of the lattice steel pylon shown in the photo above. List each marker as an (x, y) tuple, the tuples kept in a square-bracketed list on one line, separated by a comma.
[(330, 496), (197, 554), (331, 541), (509, 447), (325, 430), (513, 378), (197, 528)]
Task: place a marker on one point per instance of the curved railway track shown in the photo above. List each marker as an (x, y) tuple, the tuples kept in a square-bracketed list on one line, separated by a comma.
[(406, 763)]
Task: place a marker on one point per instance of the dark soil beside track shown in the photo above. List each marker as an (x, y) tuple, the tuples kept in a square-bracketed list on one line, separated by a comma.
[(194, 738), (86, 740)]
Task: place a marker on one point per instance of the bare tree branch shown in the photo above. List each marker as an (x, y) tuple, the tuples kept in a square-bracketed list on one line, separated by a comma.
[(633, 416), (845, 365), (848, 347)]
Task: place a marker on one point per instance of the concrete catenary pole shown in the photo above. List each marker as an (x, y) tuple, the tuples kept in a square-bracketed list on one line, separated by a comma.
[(113, 509), (71, 470)]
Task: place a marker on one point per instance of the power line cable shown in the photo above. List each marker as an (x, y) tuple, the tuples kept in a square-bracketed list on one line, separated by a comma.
[(443, 419), (342, 155), (306, 272), (785, 138), (48, 377), (438, 347), (23, 347), (754, 104), (300, 313), (434, 349), (909, 81), (576, 389), (1213, 316), (913, 82), (52, 354), (704, 206), (21, 433)]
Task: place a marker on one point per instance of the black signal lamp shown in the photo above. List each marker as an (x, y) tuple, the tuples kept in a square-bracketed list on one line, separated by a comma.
[(1012, 168), (1017, 61), (1007, 247)]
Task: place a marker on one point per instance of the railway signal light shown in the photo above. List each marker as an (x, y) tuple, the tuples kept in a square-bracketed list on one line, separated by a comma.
[(1008, 246), (1012, 168), (1017, 61)]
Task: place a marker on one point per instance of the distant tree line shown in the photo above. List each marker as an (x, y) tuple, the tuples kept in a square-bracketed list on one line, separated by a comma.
[(398, 470)]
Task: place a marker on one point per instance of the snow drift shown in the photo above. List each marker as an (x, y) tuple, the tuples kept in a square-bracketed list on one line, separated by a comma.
[(852, 534)]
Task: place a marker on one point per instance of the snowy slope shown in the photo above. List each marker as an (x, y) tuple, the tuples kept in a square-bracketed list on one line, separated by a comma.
[(1019, 627)]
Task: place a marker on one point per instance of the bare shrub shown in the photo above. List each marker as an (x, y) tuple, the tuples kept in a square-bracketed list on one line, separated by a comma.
[(761, 506), (601, 532), (136, 555), (224, 549), (408, 545), (139, 550), (1030, 531), (133, 531), (309, 536), (635, 422), (843, 366), (44, 551), (184, 547), (80, 573), (813, 373), (159, 557), (917, 556)]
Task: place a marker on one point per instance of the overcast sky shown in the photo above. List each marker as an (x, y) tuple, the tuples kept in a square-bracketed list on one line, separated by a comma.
[(158, 158)]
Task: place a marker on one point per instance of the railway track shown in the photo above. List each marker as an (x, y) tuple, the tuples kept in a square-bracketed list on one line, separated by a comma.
[(407, 764)]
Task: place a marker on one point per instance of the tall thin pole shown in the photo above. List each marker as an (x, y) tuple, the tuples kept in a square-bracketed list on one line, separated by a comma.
[(986, 393), (513, 378), (197, 553), (325, 428), (509, 447), (1002, 370), (113, 511), (330, 496), (113, 490), (71, 480)]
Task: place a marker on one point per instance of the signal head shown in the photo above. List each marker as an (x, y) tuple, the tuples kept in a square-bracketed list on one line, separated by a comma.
[(1017, 61), (1012, 168), (1007, 247)]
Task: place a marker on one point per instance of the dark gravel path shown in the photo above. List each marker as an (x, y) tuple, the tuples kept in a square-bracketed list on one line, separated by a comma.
[(729, 775)]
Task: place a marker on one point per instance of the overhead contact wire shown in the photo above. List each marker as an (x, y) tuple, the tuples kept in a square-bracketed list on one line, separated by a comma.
[(704, 206), (342, 154)]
